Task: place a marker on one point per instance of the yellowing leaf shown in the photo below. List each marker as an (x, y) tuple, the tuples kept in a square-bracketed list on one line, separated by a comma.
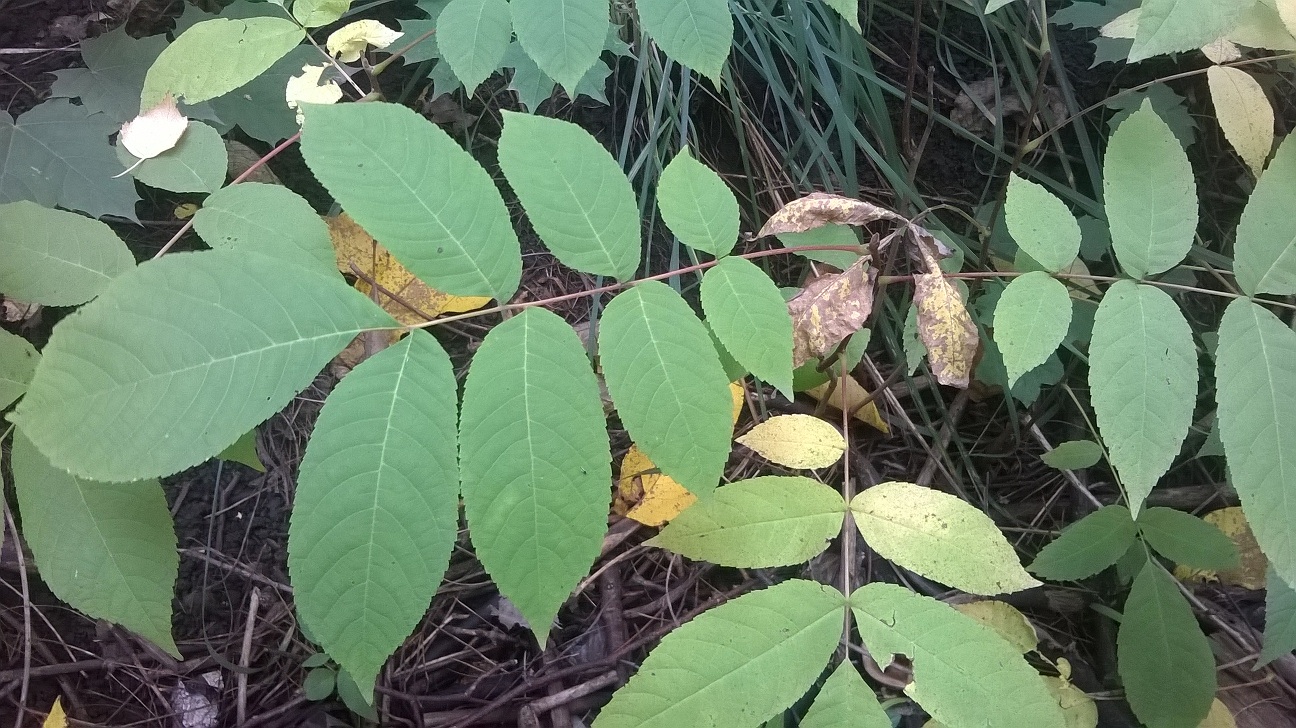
[(185, 211), (1244, 114), (847, 394), (646, 495), (56, 718), (1077, 707), (155, 130), (739, 393), (1218, 717), (306, 89), (355, 247), (1004, 619), (350, 41), (946, 329), (1287, 11), (1124, 26), (830, 309), (1253, 564), (818, 209), (1222, 50), (796, 441)]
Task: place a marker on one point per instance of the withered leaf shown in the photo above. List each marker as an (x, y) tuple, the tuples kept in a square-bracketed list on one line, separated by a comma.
[(818, 209), (830, 309), (946, 329)]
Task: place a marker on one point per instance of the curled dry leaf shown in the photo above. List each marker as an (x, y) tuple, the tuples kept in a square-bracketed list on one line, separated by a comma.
[(830, 309), (851, 396), (645, 494), (155, 130), (818, 209), (796, 441), (307, 89), (350, 41), (946, 329)]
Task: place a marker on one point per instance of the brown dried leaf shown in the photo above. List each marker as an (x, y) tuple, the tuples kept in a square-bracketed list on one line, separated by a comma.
[(830, 309), (849, 394), (818, 209), (946, 329)]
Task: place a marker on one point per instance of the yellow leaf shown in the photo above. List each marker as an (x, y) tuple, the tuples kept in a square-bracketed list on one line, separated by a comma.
[(1250, 573), (1244, 114), (946, 329), (56, 718), (850, 392), (155, 130), (306, 89), (1222, 50), (355, 247), (185, 211), (1005, 620), (739, 394), (830, 309), (646, 495), (1124, 26), (818, 209), (349, 41), (796, 441), (1287, 11), (1218, 717), (1078, 708)]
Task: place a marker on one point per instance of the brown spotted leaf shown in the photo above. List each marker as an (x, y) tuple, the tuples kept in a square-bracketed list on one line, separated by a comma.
[(830, 309), (818, 209), (946, 329)]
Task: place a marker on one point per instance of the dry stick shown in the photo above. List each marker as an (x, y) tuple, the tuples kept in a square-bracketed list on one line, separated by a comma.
[(848, 524), (27, 628), (946, 434), (563, 697), (254, 605), (1071, 477)]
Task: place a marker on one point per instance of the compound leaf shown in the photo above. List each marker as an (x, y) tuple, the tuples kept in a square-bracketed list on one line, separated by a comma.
[(697, 205), (17, 364), (1041, 224), (667, 383), (1151, 198), (376, 511), (57, 258), (217, 56), (1255, 370), (419, 193), (268, 219), (1143, 381), (575, 193), (473, 36), (1167, 26), (737, 664), (845, 700), (963, 672), (535, 462), (696, 33), (747, 314), (1030, 321), (564, 37), (179, 357), (939, 536), (1087, 546), (796, 441), (757, 523), (1266, 235), (1163, 658), (107, 549), (1186, 539)]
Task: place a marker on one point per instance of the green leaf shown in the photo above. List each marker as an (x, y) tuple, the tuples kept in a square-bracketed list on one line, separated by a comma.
[(57, 258), (1255, 371), (114, 74), (107, 549), (738, 664), (757, 523), (1280, 619), (418, 193), (1041, 224), (993, 5), (314, 13), (575, 193), (1073, 455), (530, 84), (695, 33), (824, 235), (57, 155), (747, 314), (1030, 321), (1163, 658), (319, 683), (376, 511), (244, 451), (198, 163), (1265, 251), (667, 383), (1151, 198), (18, 360), (258, 107), (939, 536), (564, 37), (848, 9), (356, 701), (536, 462), (217, 56), (1143, 382), (1087, 546), (697, 205), (963, 672), (1167, 26), (1186, 539), (181, 356), (268, 219), (473, 36), (845, 700)]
